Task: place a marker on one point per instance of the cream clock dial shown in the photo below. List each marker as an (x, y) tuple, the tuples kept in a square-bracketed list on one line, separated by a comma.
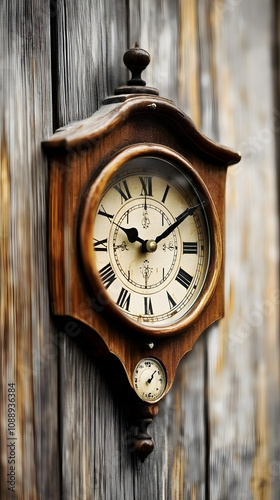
[(149, 380), (151, 241)]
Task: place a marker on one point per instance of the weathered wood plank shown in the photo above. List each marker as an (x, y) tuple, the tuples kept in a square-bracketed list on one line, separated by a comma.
[(154, 25), (27, 344), (95, 437), (113, 473), (168, 30), (91, 42), (243, 350), (202, 66)]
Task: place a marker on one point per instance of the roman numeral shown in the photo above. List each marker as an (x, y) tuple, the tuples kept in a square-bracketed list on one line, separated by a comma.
[(171, 301), (148, 306), (184, 278), (100, 246), (107, 275), (105, 214), (122, 188), (189, 247), (146, 186), (124, 299), (165, 194)]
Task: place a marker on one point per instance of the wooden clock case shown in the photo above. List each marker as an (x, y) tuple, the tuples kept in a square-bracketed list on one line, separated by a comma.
[(134, 118)]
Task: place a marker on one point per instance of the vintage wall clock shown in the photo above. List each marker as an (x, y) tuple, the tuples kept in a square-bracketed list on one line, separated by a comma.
[(136, 236)]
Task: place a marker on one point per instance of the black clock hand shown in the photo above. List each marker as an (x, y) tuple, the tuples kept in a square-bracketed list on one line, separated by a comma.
[(150, 379), (131, 233), (180, 218)]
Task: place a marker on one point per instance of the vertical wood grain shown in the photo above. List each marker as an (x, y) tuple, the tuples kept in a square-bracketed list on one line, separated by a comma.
[(91, 38), (217, 433), (155, 26), (27, 343), (95, 438), (168, 30), (243, 349)]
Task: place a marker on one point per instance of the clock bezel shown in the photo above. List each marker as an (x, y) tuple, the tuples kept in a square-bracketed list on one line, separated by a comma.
[(163, 369), (99, 181)]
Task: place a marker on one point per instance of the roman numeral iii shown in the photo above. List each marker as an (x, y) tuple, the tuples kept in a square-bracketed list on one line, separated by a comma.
[(189, 247)]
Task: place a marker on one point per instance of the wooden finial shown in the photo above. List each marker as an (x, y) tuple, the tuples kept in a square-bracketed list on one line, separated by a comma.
[(136, 60), (144, 444)]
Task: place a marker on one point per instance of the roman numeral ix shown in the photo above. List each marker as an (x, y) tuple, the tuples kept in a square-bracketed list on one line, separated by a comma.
[(100, 246)]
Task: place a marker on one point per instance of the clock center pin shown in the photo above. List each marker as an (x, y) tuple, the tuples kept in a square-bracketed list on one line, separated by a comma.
[(151, 246)]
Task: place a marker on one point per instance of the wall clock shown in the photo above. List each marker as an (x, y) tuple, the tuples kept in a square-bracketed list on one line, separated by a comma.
[(151, 240), (136, 237)]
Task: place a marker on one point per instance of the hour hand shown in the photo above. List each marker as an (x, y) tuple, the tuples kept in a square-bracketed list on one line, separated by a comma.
[(131, 233), (179, 219)]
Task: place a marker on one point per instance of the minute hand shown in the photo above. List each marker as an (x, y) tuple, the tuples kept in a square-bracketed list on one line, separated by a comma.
[(179, 219)]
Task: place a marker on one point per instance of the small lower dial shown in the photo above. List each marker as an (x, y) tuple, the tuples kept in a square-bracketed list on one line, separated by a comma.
[(149, 380)]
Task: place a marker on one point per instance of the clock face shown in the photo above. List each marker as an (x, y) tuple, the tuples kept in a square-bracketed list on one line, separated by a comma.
[(150, 241), (149, 380)]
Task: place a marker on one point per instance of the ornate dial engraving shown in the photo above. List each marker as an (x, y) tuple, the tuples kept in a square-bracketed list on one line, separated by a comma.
[(151, 241)]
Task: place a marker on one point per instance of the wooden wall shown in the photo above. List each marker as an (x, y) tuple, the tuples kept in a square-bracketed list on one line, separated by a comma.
[(217, 434)]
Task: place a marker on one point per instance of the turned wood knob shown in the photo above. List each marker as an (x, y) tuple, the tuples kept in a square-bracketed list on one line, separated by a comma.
[(136, 60), (144, 444)]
